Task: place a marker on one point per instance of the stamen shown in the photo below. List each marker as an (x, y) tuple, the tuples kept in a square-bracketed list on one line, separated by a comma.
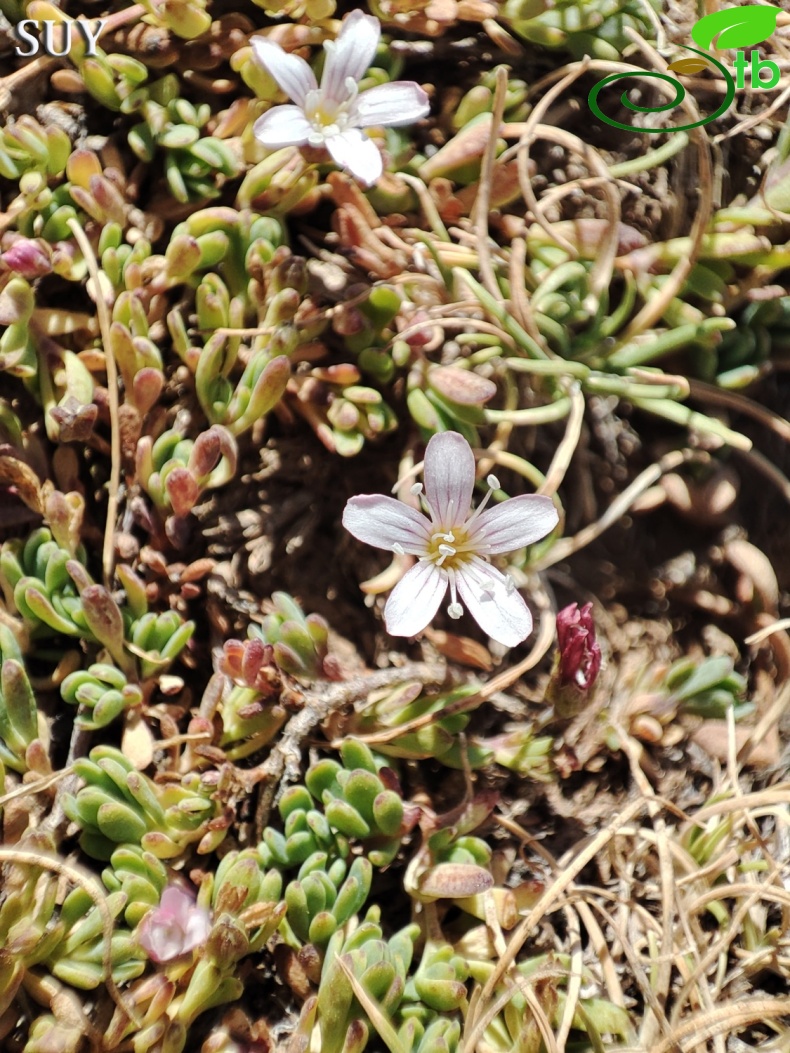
[(455, 610), (416, 489), (444, 552), (493, 483), (510, 585), (398, 548)]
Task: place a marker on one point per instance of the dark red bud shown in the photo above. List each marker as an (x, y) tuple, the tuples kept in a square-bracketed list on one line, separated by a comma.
[(580, 653)]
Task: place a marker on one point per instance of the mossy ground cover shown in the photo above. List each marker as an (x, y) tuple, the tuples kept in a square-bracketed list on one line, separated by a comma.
[(237, 815)]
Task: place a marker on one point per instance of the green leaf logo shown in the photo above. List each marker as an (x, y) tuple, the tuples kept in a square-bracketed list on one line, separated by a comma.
[(737, 27)]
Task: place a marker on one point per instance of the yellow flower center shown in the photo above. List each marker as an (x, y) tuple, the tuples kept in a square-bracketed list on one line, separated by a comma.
[(449, 549)]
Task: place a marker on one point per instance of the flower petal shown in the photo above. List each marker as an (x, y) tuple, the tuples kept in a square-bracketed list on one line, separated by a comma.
[(501, 613), (415, 599), (160, 938), (384, 522), (402, 102), (449, 477), (349, 55), (197, 929), (282, 126), (353, 150), (292, 73), (515, 523)]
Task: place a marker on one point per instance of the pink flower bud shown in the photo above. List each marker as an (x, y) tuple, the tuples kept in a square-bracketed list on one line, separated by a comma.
[(28, 258), (176, 927), (421, 337), (580, 654)]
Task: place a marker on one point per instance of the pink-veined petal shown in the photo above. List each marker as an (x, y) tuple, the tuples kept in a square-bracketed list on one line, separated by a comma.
[(160, 938), (449, 477), (515, 523), (292, 73), (197, 928), (282, 126), (349, 55), (384, 522), (402, 102), (415, 600), (501, 613), (176, 903), (353, 150)]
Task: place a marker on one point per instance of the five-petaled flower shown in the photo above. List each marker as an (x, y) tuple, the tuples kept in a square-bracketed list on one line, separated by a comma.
[(335, 114), (453, 546), (177, 926)]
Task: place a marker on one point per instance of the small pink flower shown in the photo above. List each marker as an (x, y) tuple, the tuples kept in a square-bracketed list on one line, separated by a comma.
[(335, 114), (579, 651), (177, 926), (28, 257), (454, 545)]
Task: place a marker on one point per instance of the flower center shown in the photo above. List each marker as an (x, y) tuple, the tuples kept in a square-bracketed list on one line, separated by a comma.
[(329, 116), (449, 549), (452, 547)]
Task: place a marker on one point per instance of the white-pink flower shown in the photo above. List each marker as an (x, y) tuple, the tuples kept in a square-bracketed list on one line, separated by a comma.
[(453, 546), (335, 114), (177, 926)]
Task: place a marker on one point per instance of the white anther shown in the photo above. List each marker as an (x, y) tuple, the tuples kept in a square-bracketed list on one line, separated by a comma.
[(397, 547), (415, 488), (493, 482), (510, 585), (455, 610)]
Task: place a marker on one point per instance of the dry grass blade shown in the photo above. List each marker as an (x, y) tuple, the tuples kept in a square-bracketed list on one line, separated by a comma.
[(386, 1031), (567, 546), (722, 1020), (108, 551), (549, 900), (483, 200)]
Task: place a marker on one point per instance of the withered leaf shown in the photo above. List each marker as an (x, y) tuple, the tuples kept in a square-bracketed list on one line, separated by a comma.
[(17, 473), (454, 881), (461, 385)]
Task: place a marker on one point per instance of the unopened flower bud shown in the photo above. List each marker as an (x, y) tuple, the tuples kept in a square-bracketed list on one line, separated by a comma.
[(580, 654), (228, 941), (578, 659), (29, 258)]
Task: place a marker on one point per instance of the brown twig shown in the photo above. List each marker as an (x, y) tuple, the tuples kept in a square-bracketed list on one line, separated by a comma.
[(282, 764)]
